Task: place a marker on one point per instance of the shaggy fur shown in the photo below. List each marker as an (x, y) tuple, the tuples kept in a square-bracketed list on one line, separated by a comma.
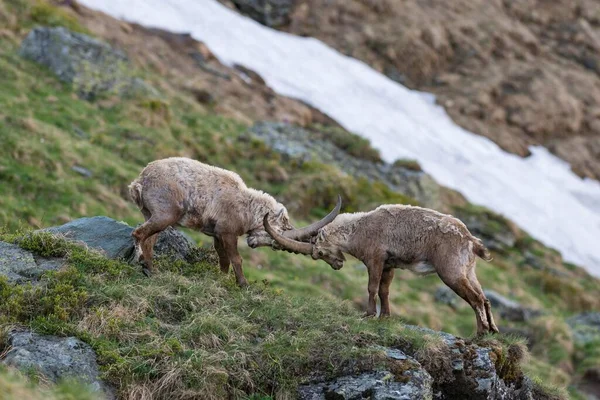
[(421, 240), (215, 201)]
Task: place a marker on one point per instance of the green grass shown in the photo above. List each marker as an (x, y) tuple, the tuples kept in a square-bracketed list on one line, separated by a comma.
[(191, 324), (190, 330), (18, 386)]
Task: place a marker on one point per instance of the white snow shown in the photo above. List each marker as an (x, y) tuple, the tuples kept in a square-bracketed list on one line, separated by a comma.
[(539, 193)]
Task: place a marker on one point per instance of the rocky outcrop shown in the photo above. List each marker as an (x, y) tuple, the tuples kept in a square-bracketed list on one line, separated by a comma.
[(412, 383), (91, 66), (585, 327), (463, 370), (303, 145), (20, 266), (55, 358), (114, 239), (271, 13), (508, 309), (516, 72), (497, 232), (444, 295)]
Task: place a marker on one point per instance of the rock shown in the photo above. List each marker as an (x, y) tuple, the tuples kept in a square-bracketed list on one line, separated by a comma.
[(303, 145), (55, 358), (20, 266), (467, 371), (271, 13), (114, 238), (445, 295), (506, 308), (82, 171), (496, 232), (414, 383), (509, 309), (585, 327), (102, 233), (590, 383), (92, 66)]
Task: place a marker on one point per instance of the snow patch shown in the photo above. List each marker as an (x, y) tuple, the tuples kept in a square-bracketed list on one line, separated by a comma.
[(539, 192)]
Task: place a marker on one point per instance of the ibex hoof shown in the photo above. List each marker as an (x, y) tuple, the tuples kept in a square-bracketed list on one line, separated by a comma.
[(147, 272)]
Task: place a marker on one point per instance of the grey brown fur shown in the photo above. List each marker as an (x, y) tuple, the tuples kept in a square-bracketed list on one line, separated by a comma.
[(421, 240), (215, 201)]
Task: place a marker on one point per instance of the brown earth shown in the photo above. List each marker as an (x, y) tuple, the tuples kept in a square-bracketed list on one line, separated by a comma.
[(518, 72), (188, 64)]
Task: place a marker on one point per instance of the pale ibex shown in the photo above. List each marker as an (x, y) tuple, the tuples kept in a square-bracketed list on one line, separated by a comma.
[(215, 201), (396, 236)]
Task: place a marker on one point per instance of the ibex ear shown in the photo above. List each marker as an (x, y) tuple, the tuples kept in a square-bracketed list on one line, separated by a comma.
[(280, 213)]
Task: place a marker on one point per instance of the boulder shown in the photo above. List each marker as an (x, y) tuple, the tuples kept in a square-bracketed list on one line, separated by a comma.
[(585, 327), (20, 266), (509, 309), (91, 66), (506, 308), (496, 232), (55, 358), (414, 383), (271, 13), (114, 239), (445, 295)]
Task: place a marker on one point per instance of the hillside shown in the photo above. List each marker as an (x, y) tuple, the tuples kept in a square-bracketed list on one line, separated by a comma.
[(65, 157), (517, 72)]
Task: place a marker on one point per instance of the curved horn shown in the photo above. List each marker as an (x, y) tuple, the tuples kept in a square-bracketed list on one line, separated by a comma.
[(312, 229), (287, 243)]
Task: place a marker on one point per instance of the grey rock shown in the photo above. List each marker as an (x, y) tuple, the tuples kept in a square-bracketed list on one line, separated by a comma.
[(271, 13), (55, 358), (585, 327), (20, 266), (493, 229), (92, 66), (300, 145), (470, 373), (506, 308), (82, 171), (509, 309), (445, 295), (102, 233), (114, 239), (415, 383)]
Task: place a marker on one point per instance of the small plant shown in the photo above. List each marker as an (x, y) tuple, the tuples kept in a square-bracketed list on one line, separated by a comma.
[(351, 143), (412, 165), (44, 13)]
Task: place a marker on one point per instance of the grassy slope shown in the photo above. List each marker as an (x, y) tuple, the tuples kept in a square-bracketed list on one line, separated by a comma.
[(46, 129)]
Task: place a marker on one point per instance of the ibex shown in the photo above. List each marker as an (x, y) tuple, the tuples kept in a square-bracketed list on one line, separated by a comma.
[(212, 200), (421, 240)]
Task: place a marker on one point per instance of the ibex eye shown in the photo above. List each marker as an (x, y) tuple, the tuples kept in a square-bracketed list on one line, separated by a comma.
[(321, 253)]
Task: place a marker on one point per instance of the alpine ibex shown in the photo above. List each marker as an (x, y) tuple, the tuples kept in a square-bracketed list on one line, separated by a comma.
[(212, 200), (421, 240)]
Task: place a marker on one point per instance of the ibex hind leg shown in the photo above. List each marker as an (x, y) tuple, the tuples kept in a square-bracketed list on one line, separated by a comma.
[(456, 279), (146, 236), (488, 308), (137, 245)]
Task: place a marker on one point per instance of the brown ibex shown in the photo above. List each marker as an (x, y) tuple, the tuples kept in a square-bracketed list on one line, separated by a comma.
[(421, 240), (212, 200)]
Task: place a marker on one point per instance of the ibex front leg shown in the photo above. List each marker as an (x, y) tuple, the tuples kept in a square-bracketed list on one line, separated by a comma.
[(375, 268), (230, 244), (384, 292)]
